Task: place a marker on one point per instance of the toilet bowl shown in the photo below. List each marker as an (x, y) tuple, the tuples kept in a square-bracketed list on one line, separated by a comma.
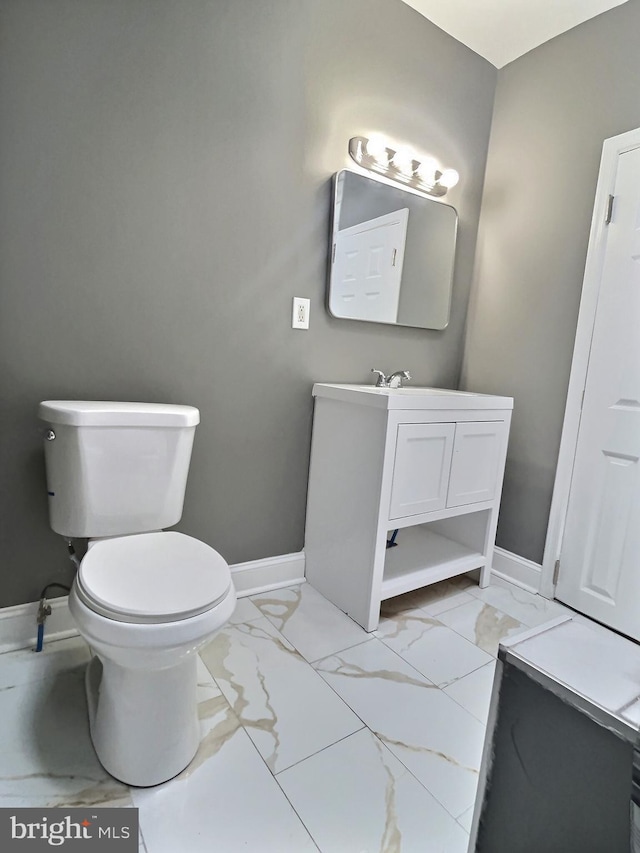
[(144, 599), (145, 628)]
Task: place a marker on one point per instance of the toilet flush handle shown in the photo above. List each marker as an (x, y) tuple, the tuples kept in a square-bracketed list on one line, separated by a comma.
[(50, 435)]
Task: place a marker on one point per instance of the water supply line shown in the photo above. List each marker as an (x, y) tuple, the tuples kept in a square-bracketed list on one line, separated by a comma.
[(44, 609), (72, 554), (391, 543)]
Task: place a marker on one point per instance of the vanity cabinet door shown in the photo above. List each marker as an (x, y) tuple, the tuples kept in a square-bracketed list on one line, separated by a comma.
[(477, 453), (421, 468)]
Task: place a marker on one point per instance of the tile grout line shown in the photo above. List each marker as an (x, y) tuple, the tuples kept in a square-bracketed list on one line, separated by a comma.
[(274, 776), (318, 675), (434, 686), (484, 604), (258, 753), (466, 639), (367, 637), (340, 651), (363, 726), (422, 785), (482, 722), (407, 771), (322, 749), (517, 603)]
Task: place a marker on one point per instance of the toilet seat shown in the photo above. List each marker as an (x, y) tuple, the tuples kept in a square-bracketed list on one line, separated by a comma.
[(152, 578)]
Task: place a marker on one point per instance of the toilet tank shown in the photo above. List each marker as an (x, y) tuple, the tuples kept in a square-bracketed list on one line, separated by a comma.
[(116, 468)]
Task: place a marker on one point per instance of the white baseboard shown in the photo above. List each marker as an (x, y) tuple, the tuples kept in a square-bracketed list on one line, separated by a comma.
[(270, 573), (18, 628), (517, 570)]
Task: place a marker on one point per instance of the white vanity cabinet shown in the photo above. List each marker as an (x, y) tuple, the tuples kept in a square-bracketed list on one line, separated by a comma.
[(425, 461)]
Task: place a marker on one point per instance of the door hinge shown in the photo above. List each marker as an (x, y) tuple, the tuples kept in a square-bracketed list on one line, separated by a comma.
[(333, 254), (609, 211), (556, 572)]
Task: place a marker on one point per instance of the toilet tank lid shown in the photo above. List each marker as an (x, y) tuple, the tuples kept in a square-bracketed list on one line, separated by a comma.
[(107, 413)]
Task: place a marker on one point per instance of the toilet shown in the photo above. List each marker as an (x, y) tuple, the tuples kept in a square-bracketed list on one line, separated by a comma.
[(145, 599)]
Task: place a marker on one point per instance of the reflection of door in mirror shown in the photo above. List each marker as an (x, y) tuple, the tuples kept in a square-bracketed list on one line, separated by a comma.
[(367, 268), (371, 219)]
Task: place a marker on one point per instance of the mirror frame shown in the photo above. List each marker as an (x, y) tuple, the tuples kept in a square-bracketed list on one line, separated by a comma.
[(332, 238)]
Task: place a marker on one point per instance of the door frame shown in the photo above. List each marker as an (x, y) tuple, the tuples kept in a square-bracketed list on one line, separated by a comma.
[(611, 150)]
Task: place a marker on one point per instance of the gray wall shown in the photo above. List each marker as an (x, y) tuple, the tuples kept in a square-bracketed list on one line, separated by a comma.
[(554, 108), (165, 184)]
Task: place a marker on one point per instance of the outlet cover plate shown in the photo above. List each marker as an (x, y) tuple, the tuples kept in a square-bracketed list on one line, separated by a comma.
[(300, 317)]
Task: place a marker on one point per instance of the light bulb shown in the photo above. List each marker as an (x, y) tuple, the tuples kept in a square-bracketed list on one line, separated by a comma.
[(449, 178), (403, 161), (377, 149), (427, 170)]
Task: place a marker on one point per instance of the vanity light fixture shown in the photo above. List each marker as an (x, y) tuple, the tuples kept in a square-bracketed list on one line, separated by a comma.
[(402, 165)]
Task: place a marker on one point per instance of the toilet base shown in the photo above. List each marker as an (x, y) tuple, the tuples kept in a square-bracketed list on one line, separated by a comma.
[(143, 723)]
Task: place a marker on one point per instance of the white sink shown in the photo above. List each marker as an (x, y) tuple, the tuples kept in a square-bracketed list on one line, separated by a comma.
[(409, 397), (411, 390)]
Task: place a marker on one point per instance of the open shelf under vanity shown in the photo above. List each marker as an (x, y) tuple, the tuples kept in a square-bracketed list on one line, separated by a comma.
[(422, 557)]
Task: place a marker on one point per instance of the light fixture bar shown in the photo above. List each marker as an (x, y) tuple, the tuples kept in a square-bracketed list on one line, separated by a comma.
[(402, 166)]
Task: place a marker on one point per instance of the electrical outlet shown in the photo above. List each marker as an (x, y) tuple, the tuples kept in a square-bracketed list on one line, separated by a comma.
[(301, 308)]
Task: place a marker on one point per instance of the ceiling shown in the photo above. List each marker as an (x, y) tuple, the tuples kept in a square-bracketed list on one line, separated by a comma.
[(502, 30)]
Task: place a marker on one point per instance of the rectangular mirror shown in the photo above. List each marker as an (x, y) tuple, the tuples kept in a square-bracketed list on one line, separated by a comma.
[(392, 254)]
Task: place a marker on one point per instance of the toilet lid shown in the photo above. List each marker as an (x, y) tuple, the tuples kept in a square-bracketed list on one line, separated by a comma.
[(152, 577)]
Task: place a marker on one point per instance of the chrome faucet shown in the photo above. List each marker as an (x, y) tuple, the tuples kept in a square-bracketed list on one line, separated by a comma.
[(395, 379), (381, 381), (392, 381)]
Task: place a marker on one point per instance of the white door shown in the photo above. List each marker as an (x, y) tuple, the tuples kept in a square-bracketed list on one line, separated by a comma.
[(600, 556), (367, 268)]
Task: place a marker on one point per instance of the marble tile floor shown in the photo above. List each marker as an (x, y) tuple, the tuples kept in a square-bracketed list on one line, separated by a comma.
[(314, 734)]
